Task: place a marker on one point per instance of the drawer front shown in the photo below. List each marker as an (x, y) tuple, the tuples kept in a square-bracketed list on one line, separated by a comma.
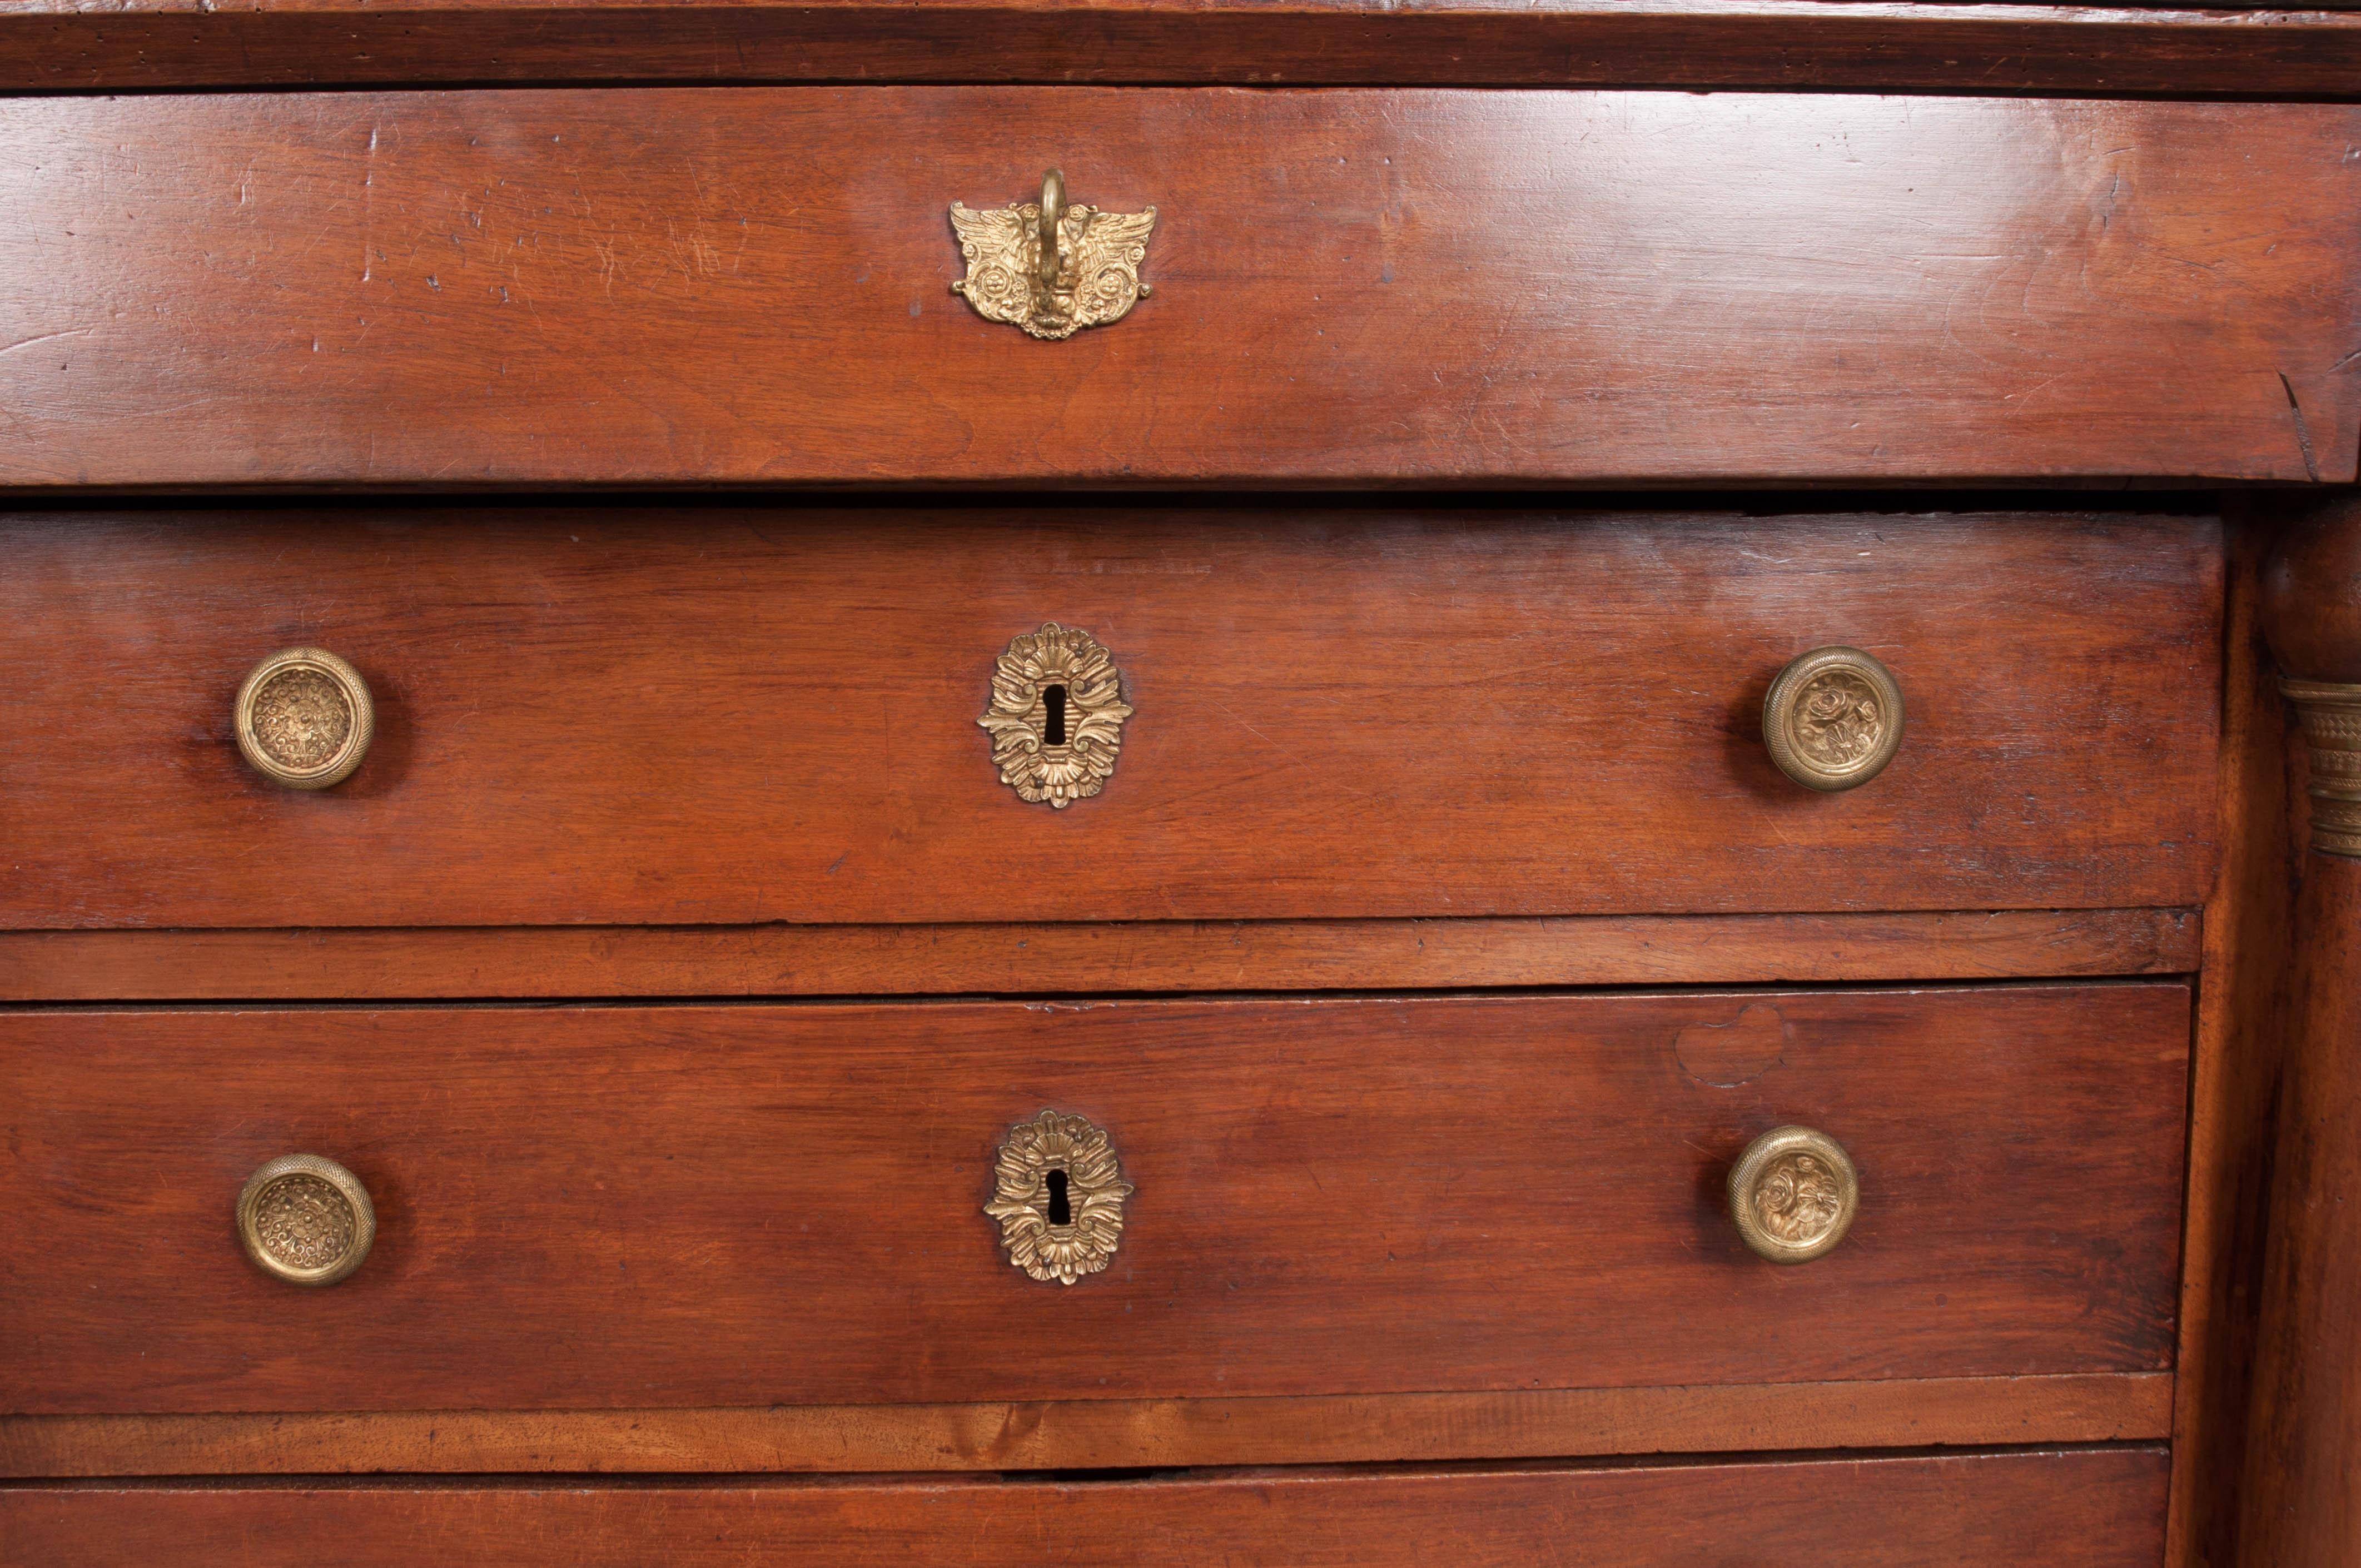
[(747, 1206), (1986, 1511), (753, 286), (627, 716)]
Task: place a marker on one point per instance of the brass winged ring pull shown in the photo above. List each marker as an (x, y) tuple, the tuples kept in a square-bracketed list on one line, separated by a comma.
[(1055, 267)]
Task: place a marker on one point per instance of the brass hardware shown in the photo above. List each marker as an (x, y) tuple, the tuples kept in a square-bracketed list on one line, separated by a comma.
[(307, 1219), (1056, 717), (2330, 713), (1833, 719), (1792, 1194), (304, 718), (1051, 268), (1058, 1194)]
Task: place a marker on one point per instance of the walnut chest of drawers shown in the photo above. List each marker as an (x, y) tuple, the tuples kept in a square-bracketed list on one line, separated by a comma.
[(1164, 785)]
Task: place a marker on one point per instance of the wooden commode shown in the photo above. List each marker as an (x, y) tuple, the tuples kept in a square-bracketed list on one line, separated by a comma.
[(1163, 784)]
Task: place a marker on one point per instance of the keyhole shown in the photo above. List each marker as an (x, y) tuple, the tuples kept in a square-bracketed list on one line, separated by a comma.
[(1060, 1212), (1054, 732)]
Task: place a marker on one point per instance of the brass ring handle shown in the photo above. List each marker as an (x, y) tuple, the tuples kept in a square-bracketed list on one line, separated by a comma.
[(307, 1219), (1053, 212), (1055, 267), (304, 718), (1833, 719), (1792, 1194)]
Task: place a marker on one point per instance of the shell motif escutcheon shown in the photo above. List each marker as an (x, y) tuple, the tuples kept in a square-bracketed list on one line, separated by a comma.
[(305, 1220), (1833, 719), (304, 718), (1055, 716), (1792, 1194), (1058, 1192)]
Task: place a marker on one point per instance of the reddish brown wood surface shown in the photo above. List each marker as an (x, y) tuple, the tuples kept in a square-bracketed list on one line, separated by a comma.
[(2302, 1502), (1138, 956), (1686, 43), (1110, 1433), (1985, 1511), (632, 1207), (2241, 1027), (634, 716), (1387, 287)]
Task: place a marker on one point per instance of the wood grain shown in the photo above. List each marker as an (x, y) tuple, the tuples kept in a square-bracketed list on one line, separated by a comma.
[(2302, 1503), (745, 715), (2241, 1031), (1109, 1433), (587, 1208), (2090, 49), (1982, 1511), (1139, 956), (1399, 286)]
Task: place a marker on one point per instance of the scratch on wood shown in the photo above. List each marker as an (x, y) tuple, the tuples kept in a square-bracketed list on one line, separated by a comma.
[(2302, 434)]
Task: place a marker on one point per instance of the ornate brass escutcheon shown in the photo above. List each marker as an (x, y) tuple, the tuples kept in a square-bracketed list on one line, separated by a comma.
[(1056, 715), (304, 719), (1833, 719), (1051, 268), (1058, 1194), (305, 1220), (1792, 1194)]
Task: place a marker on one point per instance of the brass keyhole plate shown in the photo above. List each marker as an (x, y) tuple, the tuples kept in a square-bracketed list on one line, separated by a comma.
[(1023, 1197), (1062, 675)]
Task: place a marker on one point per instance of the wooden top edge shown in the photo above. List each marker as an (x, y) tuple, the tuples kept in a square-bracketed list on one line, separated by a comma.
[(2018, 12), (2009, 47)]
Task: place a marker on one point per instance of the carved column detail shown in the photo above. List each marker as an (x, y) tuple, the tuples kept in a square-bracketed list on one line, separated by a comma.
[(2331, 712), (2302, 1495)]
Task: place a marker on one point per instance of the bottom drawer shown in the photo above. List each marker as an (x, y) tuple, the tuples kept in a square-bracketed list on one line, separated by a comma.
[(2098, 1508)]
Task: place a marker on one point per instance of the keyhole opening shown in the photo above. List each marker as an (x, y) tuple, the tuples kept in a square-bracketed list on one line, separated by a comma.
[(1061, 1213), (1054, 731)]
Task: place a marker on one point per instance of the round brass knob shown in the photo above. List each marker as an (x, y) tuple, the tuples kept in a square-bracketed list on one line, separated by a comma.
[(304, 718), (307, 1219), (1833, 719), (1792, 1194)]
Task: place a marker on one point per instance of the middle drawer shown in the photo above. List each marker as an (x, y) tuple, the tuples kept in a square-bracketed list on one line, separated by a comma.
[(625, 1207)]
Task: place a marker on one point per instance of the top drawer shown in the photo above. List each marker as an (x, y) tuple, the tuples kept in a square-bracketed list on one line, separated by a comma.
[(752, 286)]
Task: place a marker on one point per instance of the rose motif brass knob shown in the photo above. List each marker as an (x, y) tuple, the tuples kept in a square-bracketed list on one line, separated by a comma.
[(1058, 1194), (307, 1219), (1833, 719), (1792, 1194), (304, 718)]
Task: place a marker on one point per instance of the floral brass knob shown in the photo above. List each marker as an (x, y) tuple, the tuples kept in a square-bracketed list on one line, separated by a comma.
[(304, 718), (305, 1220), (1792, 1194), (1833, 719), (1057, 1193)]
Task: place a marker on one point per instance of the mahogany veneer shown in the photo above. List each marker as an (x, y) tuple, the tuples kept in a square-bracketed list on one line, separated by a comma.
[(665, 286), (627, 716), (1986, 1511), (593, 1207)]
